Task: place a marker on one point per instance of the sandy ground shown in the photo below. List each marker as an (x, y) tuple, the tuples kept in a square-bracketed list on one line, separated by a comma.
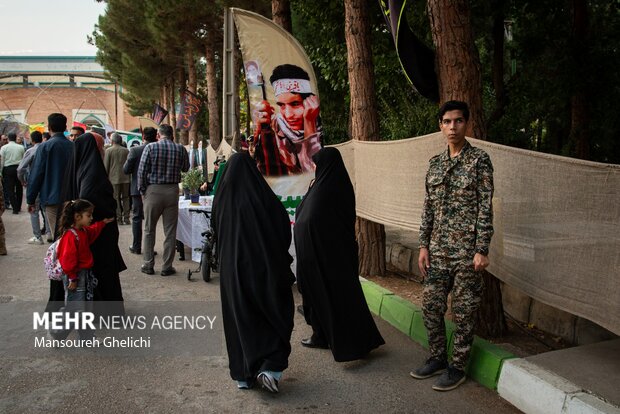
[(59, 380)]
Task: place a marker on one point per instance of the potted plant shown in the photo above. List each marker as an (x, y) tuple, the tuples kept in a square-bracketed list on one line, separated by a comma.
[(192, 180)]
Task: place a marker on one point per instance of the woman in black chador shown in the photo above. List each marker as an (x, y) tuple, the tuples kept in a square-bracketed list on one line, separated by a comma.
[(327, 264), (86, 178), (253, 236)]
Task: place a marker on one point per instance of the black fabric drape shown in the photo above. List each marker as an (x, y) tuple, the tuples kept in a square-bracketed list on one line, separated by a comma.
[(253, 237), (327, 262), (86, 178)]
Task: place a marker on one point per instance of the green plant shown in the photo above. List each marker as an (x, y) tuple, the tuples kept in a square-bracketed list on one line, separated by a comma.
[(192, 179)]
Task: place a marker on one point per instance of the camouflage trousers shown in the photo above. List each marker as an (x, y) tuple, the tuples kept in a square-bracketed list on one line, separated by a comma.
[(456, 276)]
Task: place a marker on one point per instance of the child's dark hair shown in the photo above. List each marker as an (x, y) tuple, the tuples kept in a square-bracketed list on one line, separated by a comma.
[(69, 209)]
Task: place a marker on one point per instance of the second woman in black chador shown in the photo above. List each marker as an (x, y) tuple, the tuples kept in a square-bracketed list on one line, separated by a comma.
[(327, 264)]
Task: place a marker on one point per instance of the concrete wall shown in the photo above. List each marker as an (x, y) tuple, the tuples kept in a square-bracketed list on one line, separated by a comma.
[(39, 103)]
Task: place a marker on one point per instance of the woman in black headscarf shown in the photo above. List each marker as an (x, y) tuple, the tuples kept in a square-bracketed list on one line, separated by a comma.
[(86, 178), (327, 264), (253, 236)]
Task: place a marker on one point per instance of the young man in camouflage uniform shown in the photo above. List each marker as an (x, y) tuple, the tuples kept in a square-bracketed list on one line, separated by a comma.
[(456, 230)]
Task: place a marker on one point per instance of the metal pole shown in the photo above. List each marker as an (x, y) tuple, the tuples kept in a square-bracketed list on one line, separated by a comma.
[(116, 126), (228, 112)]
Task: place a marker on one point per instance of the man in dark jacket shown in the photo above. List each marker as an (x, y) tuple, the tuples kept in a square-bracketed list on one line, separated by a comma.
[(137, 209), (47, 172)]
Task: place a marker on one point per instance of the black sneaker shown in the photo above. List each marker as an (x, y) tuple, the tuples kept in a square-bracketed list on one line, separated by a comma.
[(431, 367), (147, 270), (450, 379)]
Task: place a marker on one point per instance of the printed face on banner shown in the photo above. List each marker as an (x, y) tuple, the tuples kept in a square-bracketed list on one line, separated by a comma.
[(285, 115)]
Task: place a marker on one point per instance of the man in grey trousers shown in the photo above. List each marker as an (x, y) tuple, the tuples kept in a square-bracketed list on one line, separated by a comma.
[(159, 174)]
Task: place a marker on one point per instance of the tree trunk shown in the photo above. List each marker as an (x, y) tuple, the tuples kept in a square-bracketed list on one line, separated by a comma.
[(192, 85), (498, 63), (458, 68), (281, 13), (364, 122), (490, 320), (172, 115), (580, 117), (456, 59), (182, 136), (212, 105), (163, 95)]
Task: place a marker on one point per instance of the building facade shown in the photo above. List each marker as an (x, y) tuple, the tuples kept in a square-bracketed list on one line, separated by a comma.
[(32, 87)]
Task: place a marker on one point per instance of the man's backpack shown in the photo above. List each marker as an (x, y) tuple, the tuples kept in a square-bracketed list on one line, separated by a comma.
[(53, 269)]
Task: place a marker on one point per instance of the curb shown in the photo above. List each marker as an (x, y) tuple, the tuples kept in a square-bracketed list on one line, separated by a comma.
[(486, 360), (533, 389)]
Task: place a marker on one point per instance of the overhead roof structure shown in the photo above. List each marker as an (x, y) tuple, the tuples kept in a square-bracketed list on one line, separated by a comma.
[(24, 71)]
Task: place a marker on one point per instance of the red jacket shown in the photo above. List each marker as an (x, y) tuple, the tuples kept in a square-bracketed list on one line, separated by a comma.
[(75, 255)]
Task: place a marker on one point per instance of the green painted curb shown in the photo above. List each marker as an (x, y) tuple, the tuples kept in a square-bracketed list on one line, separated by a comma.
[(374, 295), (398, 312), (486, 359), (418, 330)]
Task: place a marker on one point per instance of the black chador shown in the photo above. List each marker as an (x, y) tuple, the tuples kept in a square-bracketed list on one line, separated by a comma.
[(253, 236), (86, 178), (327, 264)]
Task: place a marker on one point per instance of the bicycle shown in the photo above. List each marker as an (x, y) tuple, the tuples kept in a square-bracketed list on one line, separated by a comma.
[(208, 259)]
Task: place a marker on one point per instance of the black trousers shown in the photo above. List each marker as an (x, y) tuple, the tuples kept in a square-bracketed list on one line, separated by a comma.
[(14, 187), (137, 215)]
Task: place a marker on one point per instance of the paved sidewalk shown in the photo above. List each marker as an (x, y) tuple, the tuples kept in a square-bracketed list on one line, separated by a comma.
[(61, 381)]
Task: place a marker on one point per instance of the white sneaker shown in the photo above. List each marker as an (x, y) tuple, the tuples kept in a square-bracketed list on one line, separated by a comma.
[(35, 240)]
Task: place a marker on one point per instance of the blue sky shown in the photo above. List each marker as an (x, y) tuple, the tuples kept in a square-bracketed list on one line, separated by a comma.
[(48, 27)]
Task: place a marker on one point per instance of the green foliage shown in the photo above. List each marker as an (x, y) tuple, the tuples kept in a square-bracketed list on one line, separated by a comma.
[(319, 26), (548, 74), (192, 179), (142, 42)]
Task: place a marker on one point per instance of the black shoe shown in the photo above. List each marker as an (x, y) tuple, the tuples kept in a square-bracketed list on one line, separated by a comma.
[(168, 272), (450, 379), (310, 343), (135, 251), (430, 368), (147, 270)]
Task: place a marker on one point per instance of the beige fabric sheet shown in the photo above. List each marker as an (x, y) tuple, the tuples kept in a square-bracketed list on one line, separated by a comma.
[(557, 219)]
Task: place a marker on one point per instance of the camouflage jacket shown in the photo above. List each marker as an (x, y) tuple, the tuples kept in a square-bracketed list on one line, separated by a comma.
[(457, 218)]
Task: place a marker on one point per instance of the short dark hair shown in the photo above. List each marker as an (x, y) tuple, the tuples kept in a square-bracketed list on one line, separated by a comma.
[(149, 134), (36, 137), (454, 106), (166, 130), (12, 136), (57, 122), (116, 138), (46, 135), (79, 128), (288, 71)]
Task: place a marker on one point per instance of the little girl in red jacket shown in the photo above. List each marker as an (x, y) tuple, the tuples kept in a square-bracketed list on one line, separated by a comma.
[(76, 259)]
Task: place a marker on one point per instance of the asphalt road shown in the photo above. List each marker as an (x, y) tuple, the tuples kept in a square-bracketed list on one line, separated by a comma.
[(59, 380)]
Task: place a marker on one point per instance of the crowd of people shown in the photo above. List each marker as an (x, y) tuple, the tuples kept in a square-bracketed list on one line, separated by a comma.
[(75, 178)]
